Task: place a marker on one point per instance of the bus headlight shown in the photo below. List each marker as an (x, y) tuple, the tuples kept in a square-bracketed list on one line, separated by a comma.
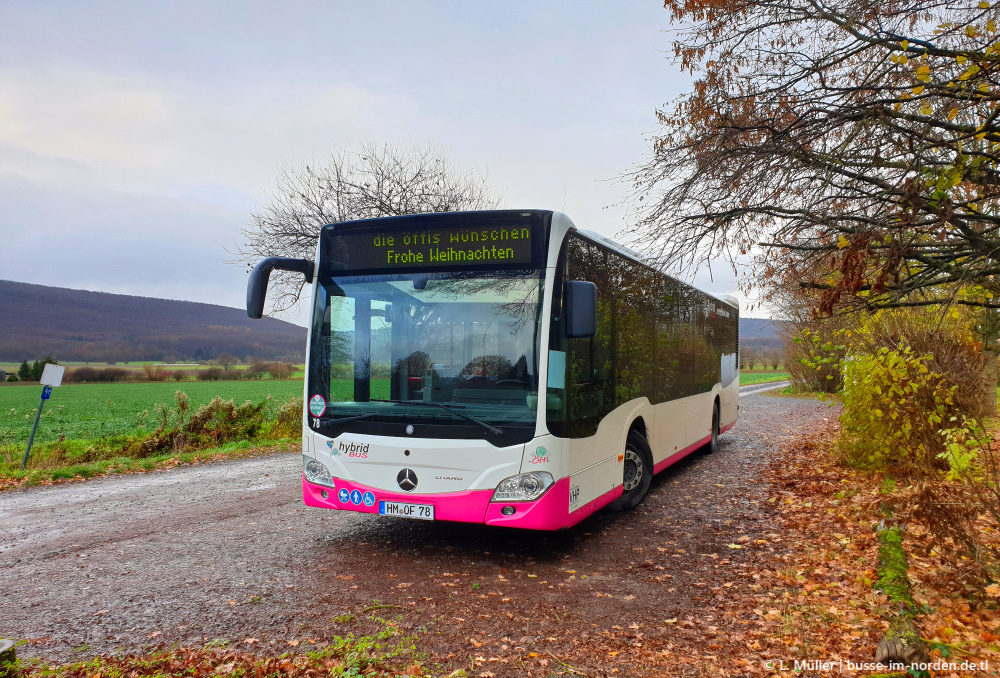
[(316, 472), (523, 487)]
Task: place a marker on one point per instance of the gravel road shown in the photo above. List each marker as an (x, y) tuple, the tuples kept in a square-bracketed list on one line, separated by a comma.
[(227, 550)]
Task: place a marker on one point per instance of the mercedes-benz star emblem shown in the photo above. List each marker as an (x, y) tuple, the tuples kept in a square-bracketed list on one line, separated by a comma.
[(409, 429), (407, 480)]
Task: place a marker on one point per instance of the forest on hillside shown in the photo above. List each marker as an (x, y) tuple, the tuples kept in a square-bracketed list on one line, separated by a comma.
[(77, 325)]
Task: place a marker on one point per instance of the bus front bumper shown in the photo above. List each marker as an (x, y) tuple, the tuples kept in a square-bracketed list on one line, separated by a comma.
[(548, 512)]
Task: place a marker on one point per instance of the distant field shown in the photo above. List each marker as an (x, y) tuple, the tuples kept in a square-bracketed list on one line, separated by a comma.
[(89, 411), (761, 377), (11, 368)]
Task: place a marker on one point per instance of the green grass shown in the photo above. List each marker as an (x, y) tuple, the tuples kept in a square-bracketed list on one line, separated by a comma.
[(95, 429), (790, 392), (383, 653), (748, 378), (42, 467), (92, 411)]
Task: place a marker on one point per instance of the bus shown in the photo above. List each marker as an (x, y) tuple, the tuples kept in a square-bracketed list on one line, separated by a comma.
[(500, 367)]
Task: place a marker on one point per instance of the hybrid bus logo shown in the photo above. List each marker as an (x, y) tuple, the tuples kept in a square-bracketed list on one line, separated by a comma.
[(356, 450)]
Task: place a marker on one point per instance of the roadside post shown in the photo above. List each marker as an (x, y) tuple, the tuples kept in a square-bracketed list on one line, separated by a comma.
[(51, 378)]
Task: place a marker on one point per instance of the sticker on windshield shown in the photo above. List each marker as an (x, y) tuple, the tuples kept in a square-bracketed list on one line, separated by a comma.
[(317, 405)]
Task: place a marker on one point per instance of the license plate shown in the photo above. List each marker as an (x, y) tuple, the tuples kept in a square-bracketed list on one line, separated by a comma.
[(418, 511)]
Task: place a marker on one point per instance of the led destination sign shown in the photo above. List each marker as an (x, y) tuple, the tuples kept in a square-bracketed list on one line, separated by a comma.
[(470, 245)]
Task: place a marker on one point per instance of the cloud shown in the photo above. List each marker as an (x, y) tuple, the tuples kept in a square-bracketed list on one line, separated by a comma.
[(113, 241), (136, 139)]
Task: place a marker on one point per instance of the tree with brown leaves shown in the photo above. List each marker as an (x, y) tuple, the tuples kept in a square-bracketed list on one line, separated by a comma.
[(848, 148)]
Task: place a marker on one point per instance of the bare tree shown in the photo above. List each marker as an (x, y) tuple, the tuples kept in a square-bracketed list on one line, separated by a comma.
[(227, 360), (363, 182), (773, 359)]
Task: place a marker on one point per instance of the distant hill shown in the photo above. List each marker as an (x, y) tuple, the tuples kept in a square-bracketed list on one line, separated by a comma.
[(762, 328), (36, 320), (762, 332)]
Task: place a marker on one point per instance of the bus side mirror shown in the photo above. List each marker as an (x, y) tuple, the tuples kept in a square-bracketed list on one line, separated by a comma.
[(261, 273), (581, 309)]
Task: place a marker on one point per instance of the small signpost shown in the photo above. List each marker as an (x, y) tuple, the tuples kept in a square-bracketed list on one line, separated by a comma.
[(52, 377)]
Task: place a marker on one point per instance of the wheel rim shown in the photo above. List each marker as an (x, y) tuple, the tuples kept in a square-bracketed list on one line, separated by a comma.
[(633, 469)]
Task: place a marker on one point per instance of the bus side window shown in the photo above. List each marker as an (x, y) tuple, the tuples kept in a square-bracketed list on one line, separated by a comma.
[(590, 360)]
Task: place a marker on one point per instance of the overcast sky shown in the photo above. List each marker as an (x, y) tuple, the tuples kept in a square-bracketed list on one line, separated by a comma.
[(136, 137)]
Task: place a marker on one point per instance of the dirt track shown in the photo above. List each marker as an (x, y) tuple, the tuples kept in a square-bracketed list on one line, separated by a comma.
[(228, 551)]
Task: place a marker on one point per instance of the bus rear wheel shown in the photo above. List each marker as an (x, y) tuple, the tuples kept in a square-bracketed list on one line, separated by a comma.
[(713, 443), (637, 475)]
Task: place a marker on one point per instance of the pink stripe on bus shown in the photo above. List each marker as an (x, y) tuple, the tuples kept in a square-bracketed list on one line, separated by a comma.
[(550, 512), (467, 507), (677, 456)]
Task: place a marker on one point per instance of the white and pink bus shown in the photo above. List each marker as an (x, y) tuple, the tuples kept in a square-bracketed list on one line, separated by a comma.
[(500, 367)]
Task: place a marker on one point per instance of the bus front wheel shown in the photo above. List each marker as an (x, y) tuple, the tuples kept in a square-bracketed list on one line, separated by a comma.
[(637, 475)]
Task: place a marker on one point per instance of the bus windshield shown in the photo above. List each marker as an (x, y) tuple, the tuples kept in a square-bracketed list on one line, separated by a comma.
[(450, 354)]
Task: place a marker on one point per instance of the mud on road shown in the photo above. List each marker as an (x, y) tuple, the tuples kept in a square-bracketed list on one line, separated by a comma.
[(229, 551)]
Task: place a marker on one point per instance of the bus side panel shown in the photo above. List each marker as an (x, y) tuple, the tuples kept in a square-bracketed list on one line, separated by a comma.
[(592, 463), (730, 390), (699, 415), (670, 429), (730, 402)]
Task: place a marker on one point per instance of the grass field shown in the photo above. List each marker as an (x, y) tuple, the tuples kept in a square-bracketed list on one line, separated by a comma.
[(761, 377), (91, 411)]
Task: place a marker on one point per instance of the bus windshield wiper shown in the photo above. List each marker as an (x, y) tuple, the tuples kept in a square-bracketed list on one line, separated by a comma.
[(424, 403)]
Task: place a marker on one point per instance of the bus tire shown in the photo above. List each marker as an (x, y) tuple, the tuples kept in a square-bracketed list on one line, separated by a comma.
[(637, 475), (713, 442)]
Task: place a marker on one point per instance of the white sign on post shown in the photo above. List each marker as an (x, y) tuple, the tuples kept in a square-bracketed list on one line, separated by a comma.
[(52, 375)]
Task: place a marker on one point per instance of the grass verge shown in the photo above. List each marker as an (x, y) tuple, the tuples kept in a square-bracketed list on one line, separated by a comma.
[(387, 652), (749, 378), (791, 392), (49, 474), (219, 429)]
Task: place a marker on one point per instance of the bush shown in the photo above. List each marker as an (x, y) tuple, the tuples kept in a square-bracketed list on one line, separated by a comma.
[(155, 372), (214, 424), (281, 370), (288, 423), (179, 375), (82, 375), (953, 351), (258, 369), (211, 374), (12, 378), (898, 414), (915, 387), (813, 358)]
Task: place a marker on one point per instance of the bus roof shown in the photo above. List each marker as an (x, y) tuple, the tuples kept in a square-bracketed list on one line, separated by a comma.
[(636, 257)]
